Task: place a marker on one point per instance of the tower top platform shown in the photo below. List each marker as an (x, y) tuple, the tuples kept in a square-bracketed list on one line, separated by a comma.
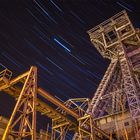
[(107, 36)]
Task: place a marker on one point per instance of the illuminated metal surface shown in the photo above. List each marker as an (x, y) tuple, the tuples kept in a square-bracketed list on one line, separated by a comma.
[(60, 116), (117, 40), (24, 113)]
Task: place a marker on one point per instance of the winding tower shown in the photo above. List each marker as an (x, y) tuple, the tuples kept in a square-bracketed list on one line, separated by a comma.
[(119, 90), (112, 114)]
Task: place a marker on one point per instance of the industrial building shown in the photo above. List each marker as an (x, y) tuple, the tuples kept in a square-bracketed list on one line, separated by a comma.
[(112, 113)]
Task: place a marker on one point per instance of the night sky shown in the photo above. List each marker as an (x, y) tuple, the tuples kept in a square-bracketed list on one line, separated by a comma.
[(51, 34)]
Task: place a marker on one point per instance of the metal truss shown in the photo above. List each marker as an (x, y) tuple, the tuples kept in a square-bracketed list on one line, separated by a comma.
[(87, 129), (59, 131), (22, 122), (102, 87), (65, 118), (117, 40), (78, 105), (5, 76)]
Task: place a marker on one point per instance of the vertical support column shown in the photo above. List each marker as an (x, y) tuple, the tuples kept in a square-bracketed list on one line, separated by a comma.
[(129, 86), (85, 128), (130, 90), (59, 129), (22, 123)]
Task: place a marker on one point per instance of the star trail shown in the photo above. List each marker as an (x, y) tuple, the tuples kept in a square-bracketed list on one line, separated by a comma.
[(56, 40), (51, 34)]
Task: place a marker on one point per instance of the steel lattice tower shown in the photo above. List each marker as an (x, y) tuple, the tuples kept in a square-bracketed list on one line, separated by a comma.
[(117, 40), (116, 102)]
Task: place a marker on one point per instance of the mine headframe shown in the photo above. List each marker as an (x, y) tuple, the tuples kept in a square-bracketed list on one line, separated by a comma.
[(117, 40)]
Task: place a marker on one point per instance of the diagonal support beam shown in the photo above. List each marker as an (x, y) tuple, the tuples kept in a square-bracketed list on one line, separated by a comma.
[(22, 123)]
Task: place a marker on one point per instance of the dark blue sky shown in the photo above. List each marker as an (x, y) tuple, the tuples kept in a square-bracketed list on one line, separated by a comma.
[(51, 34)]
